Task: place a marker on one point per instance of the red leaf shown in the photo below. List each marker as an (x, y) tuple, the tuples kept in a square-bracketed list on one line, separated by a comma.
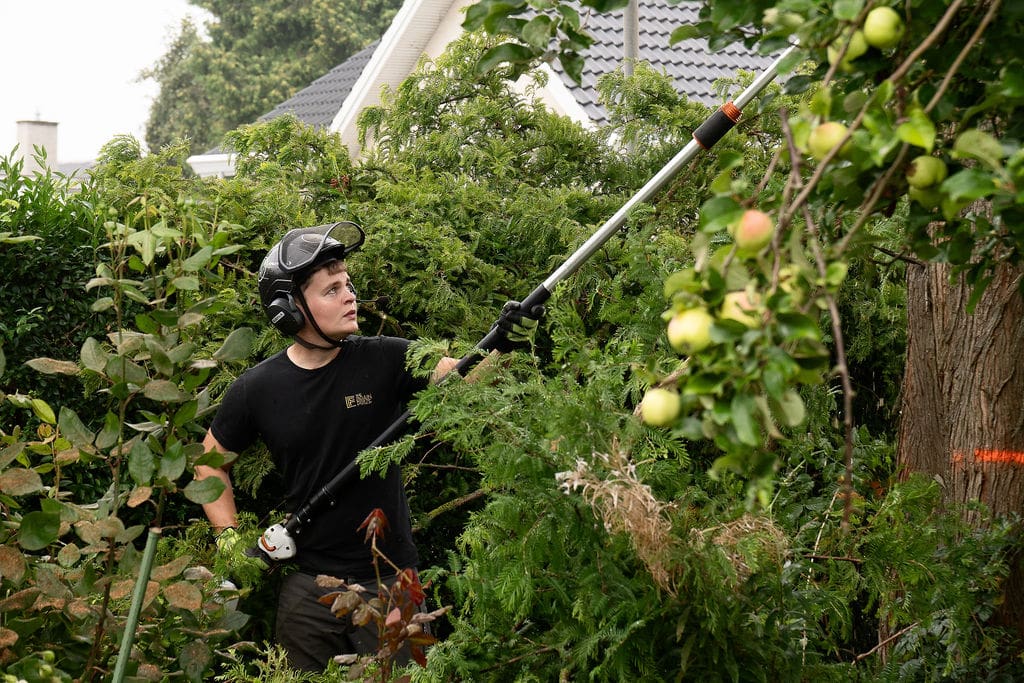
[(376, 523), (394, 618)]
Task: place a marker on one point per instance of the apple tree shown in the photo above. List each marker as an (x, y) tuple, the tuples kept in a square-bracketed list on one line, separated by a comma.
[(906, 149)]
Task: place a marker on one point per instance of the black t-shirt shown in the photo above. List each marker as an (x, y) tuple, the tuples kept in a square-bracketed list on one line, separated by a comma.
[(314, 422)]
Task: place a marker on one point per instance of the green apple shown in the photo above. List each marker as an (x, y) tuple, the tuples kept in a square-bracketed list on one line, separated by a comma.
[(775, 17), (690, 331), (824, 137), (857, 46), (660, 407), (883, 28), (928, 197), (741, 307), (753, 231), (926, 171)]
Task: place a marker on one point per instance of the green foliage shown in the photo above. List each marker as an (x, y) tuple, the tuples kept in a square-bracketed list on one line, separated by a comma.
[(572, 540), (69, 565), (49, 247), (247, 59)]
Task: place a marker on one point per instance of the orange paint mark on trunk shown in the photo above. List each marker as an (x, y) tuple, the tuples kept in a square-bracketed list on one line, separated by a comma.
[(999, 456)]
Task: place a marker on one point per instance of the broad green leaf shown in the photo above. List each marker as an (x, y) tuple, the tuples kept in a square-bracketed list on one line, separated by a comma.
[(52, 366), (198, 259), (110, 433), (9, 453), (847, 10), (43, 411), (202, 491), (186, 283), (570, 15), (20, 481), (74, 429), (38, 530), (605, 5), (236, 346), (500, 54), (798, 326), (977, 144), (93, 356), (164, 391), (5, 238), (146, 323), (141, 463), (718, 213), (835, 273), (684, 32), (573, 65), (145, 242), (102, 304), (918, 130), (969, 184), (3, 362), (161, 230), (159, 358), (790, 409), (538, 31), (172, 464), (122, 369), (743, 421)]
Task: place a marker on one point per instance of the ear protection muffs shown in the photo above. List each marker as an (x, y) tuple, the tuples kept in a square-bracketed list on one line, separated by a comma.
[(285, 316)]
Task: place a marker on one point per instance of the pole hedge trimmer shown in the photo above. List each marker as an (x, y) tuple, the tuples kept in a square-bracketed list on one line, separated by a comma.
[(279, 541)]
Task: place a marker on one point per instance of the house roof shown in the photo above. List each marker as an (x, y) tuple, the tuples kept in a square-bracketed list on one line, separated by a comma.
[(691, 65), (335, 100), (318, 103)]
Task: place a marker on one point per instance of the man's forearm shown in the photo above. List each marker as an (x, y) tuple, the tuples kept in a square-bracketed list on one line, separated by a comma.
[(220, 512)]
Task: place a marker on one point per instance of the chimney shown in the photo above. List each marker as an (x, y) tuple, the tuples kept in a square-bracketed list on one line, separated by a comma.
[(32, 134)]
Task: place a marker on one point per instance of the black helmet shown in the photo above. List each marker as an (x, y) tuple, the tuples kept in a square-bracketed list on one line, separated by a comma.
[(289, 263)]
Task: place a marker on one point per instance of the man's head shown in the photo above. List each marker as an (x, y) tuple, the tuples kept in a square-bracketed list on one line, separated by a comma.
[(296, 260)]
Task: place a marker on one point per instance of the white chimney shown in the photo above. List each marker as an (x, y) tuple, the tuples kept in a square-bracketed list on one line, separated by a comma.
[(32, 134)]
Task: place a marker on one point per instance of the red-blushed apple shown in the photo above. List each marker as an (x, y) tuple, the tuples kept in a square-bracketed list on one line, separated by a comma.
[(660, 407), (926, 171), (741, 307), (883, 28), (753, 231), (824, 137), (690, 331)]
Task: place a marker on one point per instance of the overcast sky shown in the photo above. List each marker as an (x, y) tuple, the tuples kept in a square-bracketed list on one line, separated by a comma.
[(77, 63)]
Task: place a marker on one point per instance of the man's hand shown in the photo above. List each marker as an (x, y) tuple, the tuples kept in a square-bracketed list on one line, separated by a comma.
[(235, 562), (518, 326)]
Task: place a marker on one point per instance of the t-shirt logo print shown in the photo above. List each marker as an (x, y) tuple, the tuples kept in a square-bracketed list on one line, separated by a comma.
[(355, 400)]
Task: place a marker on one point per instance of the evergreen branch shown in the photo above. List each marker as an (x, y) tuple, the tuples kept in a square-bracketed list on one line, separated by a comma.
[(449, 506), (837, 558), (862, 657)]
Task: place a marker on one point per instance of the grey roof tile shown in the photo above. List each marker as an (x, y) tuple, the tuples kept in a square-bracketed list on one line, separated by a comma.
[(691, 65), (318, 103)]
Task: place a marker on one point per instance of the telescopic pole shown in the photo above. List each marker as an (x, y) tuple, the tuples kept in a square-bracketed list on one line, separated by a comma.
[(278, 541)]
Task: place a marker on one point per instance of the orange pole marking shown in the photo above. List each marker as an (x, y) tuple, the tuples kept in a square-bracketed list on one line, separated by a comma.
[(999, 456)]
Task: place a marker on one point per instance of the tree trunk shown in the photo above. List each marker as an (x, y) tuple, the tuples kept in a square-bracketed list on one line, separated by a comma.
[(962, 403)]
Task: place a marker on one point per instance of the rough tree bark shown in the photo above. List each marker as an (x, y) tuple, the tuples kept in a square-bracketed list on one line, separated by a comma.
[(962, 403)]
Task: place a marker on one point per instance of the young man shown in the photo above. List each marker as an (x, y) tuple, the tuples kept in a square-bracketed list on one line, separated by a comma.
[(316, 405)]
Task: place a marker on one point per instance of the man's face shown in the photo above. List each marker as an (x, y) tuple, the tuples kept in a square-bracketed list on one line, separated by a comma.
[(332, 302)]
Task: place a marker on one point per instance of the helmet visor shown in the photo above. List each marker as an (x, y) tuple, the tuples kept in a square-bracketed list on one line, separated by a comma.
[(301, 246)]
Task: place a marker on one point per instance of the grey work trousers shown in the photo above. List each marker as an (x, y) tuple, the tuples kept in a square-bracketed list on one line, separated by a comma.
[(310, 632)]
